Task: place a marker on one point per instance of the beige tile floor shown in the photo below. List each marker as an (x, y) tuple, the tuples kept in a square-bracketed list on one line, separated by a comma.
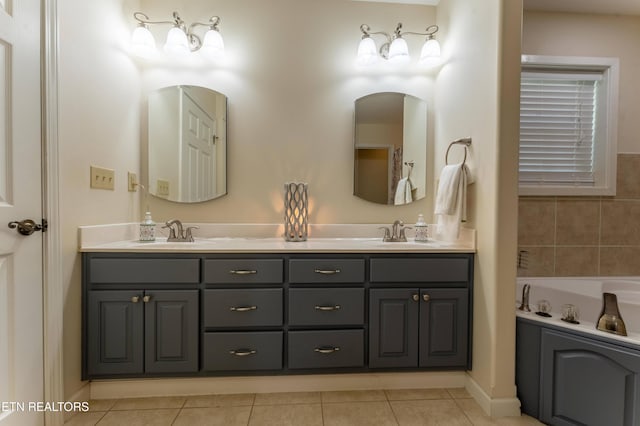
[(442, 407)]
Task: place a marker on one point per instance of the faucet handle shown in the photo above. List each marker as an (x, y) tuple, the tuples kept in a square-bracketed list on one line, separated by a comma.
[(387, 233), (402, 236), (172, 232), (188, 236)]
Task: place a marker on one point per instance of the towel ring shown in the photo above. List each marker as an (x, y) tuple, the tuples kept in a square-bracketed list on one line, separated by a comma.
[(464, 141)]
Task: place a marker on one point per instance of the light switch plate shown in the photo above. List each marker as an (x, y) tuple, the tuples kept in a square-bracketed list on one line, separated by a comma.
[(162, 186), (132, 182), (102, 178)]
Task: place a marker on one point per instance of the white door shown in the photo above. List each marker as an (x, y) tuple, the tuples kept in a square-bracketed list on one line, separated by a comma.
[(21, 333), (198, 152)]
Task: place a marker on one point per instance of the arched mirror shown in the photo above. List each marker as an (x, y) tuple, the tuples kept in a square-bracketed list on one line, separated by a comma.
[(390, 148), (187, 131)]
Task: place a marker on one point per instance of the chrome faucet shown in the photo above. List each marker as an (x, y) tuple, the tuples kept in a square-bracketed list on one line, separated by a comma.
[(396, 234), (179, 234), (524, 305)]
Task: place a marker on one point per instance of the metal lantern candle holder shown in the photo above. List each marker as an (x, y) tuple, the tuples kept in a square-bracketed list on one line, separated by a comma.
[(296, 205)]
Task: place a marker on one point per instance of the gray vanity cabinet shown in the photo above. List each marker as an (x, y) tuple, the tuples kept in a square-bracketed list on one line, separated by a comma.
[(418, 328), (419, 312), (135, 332), (207, 314)]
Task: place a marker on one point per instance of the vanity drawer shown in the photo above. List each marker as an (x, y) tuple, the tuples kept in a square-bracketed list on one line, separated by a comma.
[(243, 271), (242, 307), (242, 351), (326, 271), (326, 306), (143, 271), (326, 349), (441, 270)]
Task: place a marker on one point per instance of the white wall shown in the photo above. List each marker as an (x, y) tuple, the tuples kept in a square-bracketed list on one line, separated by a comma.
[(291, 83), (567, 34), (468, 93), (99, 101)]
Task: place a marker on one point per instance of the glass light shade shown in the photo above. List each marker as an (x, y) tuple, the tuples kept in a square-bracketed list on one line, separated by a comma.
[(212, 45), (177, 43), (430, 53), (367, 52), (142, 42), (399, 51)]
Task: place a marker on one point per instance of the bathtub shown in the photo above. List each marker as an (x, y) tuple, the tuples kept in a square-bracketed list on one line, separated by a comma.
[(586, 295)]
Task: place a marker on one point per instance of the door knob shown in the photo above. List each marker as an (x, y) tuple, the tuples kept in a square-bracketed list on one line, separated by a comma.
[(28, 226)]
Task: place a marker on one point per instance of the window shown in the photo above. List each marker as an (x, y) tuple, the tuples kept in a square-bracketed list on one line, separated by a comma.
[(568, 123)]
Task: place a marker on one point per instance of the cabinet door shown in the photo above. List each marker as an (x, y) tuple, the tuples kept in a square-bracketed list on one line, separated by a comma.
[(114, 333), (171, 331), (444, 327), (587, 382), (393, 328)]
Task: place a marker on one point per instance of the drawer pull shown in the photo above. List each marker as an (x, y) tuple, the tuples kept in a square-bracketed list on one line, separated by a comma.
[(327, 350), (327, 308), (243, 308), (243, 352), (243, 271), (327, 271)]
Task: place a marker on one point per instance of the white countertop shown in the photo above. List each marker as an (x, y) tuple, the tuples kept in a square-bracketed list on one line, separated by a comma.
[(264, 238)]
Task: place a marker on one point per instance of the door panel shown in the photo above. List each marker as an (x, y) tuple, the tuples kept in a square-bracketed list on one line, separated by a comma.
[(21, 335), (171, 331), (115, 339), (443, 327), (393, 328)]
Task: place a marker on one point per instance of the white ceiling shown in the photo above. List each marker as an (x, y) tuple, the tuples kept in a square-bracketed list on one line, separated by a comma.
[(616, 7)]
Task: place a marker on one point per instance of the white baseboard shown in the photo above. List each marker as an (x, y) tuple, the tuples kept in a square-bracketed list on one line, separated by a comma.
[(494, 407), (105, 389)]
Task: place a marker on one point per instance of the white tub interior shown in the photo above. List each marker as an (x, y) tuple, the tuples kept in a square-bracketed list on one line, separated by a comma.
[(586, 295)]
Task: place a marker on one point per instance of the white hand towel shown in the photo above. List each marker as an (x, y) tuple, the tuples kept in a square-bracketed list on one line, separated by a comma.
[(403, 192), (451, 201)]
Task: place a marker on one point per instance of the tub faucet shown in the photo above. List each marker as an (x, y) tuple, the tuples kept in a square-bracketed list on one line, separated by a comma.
[(524, 305), (179, 234)]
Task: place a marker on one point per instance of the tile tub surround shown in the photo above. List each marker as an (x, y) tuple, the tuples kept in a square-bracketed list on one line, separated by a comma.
[(451, 406), (256, 238), (583, 236)]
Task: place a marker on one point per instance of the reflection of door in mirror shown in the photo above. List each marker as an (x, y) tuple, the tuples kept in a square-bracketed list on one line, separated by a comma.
[(187, 144), (390, 148)]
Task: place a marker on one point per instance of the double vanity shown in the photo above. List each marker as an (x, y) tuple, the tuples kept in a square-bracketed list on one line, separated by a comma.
[(247, 306)]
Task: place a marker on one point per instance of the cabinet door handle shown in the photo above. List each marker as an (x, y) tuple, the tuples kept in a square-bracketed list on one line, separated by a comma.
[(243, 352), (135, 299), (146, 299), (327, 271), (327, 308), (426, 297), (326, 350), (243, 271), (415, 297), (243, 308)]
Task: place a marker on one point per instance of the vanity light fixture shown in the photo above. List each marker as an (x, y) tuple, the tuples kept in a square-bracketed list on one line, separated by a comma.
[(395, 49), (181, 40)]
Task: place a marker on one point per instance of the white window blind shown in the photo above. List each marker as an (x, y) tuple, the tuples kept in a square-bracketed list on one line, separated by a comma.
[(558, 127)]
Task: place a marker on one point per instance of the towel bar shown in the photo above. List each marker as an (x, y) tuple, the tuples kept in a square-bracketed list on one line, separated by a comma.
[(464, 141)]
